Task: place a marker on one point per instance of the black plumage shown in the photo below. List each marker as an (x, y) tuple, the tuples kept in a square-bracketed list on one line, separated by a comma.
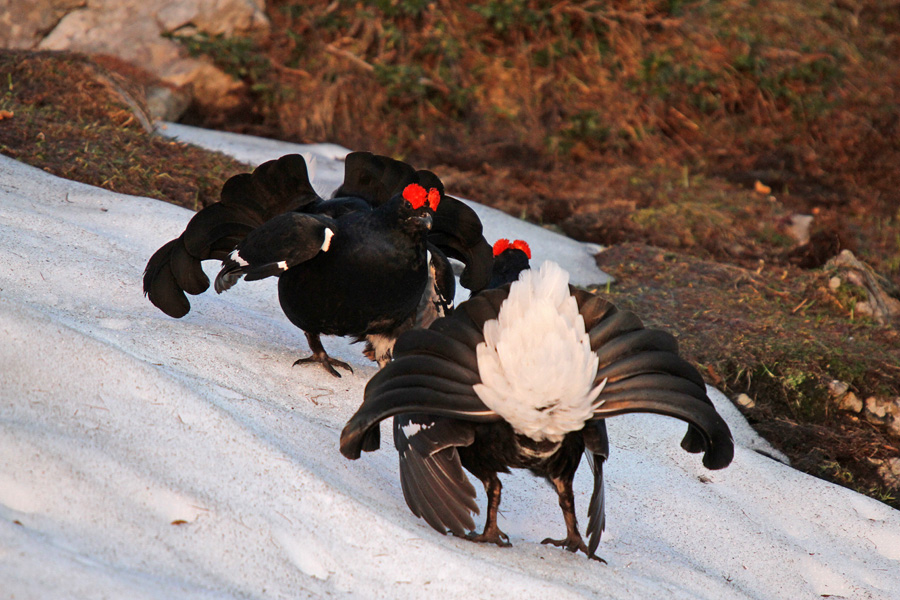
[(432, 384), (353, 265), (427, 445)]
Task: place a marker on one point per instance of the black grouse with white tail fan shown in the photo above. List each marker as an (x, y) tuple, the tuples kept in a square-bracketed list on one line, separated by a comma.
[(426, 444), (520, 375), (367, 263)]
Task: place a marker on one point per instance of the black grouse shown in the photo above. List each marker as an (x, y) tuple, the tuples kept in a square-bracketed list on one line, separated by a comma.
[(519, 377), (367, 263), (427, 463)]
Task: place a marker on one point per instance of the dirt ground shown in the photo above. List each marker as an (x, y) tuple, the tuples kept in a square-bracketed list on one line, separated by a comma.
[(727, 155)]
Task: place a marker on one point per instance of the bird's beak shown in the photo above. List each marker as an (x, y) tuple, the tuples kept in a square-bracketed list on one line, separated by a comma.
[(427, 220)]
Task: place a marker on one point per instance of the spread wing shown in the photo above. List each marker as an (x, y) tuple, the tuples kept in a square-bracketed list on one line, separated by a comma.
[(247, 201), (433, 372), (433, 481)]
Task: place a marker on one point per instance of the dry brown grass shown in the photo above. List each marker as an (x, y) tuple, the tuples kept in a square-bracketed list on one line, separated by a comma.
[(567, 112)]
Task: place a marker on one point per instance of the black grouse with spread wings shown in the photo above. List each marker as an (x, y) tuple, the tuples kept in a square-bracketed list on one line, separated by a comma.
[(518, 377), (366, 263)]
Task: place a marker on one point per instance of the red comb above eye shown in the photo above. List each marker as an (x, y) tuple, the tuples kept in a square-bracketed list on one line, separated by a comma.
[(500, 245), (523, 246), (434, 198), (504, 244), (415, 194)]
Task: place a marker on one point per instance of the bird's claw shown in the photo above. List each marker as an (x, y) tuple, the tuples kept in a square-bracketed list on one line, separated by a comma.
[(326, 361), (573, 545), (490, 537)]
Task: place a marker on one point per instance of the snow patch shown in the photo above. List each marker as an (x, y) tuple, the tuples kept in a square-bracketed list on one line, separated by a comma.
[(109, 436)]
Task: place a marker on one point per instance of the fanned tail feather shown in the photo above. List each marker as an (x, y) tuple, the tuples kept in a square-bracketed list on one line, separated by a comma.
[(718, 443), (374, 178), (457, 231)]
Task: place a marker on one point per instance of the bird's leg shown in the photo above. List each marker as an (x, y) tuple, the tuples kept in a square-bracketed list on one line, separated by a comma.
[(320, 356), (573, 541), (491, 533)]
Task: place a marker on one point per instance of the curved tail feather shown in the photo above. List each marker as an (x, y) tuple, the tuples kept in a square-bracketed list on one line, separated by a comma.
[(596, 448), (161, 285), (457, 231), (719, 446), (374, 178)]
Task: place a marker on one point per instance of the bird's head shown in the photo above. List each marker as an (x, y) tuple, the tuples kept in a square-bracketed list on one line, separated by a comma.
[(510, 259), (418, 205)]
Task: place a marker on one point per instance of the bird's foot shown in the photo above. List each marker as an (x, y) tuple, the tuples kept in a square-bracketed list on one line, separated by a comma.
[(326, 361), (494, 536), (573, 544)]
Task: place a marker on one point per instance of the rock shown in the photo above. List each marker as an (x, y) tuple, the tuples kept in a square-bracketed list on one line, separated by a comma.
[(881, 302), (23, 23), (889, 471), (864, 309), (167, 104), (892, 408), (876, 408), (134, 30), (851, 402), (834, 283), (799, 228), (745, 401), (838, 388), (215, 17)]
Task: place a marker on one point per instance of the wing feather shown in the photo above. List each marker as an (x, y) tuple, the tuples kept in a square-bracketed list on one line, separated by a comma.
[(431, 472), (247, 201)]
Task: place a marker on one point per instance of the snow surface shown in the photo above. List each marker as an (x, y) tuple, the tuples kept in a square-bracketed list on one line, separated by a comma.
[(148, 457)]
